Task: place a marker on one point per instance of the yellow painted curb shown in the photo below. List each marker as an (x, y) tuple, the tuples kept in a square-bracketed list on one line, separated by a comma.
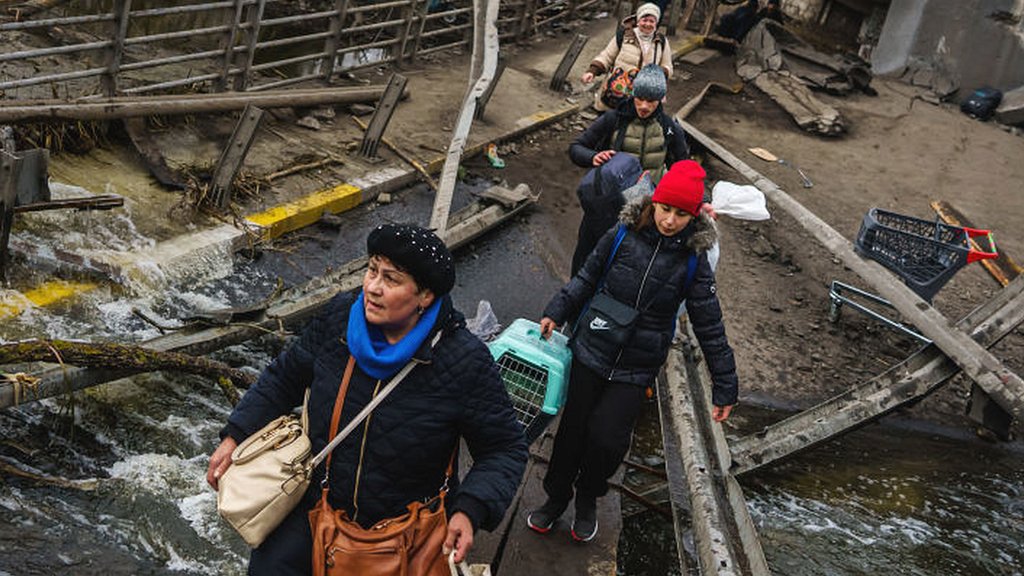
[(44, 295), (305, 211)]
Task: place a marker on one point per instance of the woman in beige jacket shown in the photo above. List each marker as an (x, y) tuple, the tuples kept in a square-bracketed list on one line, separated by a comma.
[(635, 44)]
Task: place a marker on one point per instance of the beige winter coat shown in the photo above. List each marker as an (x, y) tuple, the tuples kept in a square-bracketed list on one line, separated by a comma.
[(632, 54)]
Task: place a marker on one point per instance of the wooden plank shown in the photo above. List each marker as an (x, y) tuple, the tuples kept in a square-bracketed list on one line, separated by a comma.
[(1003, 268), (233, 15), (177, 104), (900, 385), (526, 553), (482, 70), (691, 5), (481, 102), (333, 41), (115, 52), (8, 197), (671, 19), (382, 115), (697, 457), (408, 14), (32, 178), (244, 76), (710, 17), (421, 15), (96, 202), (231, 159), (978, 364), (568, 59)]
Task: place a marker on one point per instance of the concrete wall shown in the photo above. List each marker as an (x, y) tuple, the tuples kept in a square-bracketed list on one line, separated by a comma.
[(964, 39)]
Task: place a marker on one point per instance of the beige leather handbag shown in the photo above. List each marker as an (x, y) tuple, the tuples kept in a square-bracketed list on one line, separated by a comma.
[(271, 469), (268, 475)]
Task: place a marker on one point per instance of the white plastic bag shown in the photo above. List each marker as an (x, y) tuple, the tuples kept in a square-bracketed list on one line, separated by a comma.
[(464, 569), (484, 325), (740, 202)]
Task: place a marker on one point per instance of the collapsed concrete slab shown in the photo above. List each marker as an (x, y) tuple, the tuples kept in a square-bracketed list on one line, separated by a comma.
[(1011, 110)]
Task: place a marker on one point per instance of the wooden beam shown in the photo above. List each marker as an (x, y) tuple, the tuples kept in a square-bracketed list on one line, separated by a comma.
[(98, 202), (177, 104), (482, 71), (382, 115), (1003, 268), (233, 155), (1005, 387), (8, 197), (703, 493), (568, 59)]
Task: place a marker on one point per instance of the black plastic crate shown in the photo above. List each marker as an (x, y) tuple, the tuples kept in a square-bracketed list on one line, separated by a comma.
[(924, 254)]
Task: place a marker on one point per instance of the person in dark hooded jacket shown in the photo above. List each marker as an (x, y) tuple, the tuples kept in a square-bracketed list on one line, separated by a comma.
[(401, 452), (660, 261), (601, 196)]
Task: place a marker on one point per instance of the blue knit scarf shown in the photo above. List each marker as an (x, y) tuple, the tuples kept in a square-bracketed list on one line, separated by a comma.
[(371, 349)]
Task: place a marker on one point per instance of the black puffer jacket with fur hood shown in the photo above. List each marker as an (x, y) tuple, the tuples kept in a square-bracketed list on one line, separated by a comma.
[(650, 268)]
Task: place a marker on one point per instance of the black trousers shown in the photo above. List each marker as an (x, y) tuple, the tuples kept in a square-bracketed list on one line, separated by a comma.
[(593, 435), (288, 550)]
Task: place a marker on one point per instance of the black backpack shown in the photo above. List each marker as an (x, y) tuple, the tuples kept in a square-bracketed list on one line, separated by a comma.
[(982, 103)]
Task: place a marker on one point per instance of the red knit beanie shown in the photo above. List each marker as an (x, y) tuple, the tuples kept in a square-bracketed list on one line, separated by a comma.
[(682, 187)]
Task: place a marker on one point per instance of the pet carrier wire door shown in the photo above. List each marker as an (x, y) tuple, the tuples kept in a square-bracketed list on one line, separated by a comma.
[(925, 254), (535, 372)]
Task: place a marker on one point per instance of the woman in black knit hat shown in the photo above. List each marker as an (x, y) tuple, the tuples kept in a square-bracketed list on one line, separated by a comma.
[(400, 454)]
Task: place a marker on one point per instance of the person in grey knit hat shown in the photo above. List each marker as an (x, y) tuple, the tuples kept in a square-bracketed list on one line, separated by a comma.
[(650, 84), (639, 126)]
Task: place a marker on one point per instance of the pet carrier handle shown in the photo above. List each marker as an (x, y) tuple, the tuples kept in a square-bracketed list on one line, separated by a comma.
[(973, 255)]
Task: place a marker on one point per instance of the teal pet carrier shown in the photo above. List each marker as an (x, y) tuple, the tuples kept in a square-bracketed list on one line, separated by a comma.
[(535, 372)]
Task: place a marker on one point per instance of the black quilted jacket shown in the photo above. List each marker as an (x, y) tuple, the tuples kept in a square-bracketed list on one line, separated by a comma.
[(654, 267), (409, 439)]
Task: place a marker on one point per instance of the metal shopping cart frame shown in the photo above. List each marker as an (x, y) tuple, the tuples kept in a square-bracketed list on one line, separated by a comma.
[(924, 254)]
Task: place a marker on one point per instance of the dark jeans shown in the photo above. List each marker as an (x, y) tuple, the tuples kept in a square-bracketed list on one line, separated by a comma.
[(593, 435)]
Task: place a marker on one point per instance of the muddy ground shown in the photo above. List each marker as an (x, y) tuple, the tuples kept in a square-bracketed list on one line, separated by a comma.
[(899, 154)]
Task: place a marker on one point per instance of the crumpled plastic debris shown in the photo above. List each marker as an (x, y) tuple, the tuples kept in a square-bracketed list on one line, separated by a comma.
[(492, 156), (484, 325)]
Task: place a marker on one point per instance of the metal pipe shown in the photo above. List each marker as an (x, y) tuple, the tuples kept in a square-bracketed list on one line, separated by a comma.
[(55, 50), (135, 40), (125, 107)]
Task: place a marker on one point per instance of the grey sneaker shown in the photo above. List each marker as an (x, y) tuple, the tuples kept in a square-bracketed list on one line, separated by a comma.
[(542, 519), (584, 526)]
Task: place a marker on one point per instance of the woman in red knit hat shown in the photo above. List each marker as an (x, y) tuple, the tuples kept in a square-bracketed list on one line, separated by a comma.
[(623, 303)]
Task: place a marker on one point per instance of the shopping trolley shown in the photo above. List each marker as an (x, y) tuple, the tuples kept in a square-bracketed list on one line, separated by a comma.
[(924, 254), (535, 372)]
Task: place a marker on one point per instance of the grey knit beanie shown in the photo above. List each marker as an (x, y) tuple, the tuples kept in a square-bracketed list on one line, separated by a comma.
[(649, 83)]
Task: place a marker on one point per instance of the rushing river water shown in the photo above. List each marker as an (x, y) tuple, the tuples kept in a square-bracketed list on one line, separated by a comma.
[(883, 500), (898, 498)]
